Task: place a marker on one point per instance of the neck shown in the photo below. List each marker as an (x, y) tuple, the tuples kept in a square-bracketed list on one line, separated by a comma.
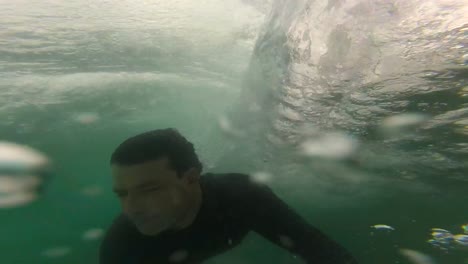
[(189, 217)]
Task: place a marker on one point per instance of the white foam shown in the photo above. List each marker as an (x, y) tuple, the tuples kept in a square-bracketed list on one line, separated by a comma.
[(332, 145)]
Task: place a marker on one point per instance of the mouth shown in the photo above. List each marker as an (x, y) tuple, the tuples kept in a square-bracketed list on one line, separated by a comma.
[(143, 220)]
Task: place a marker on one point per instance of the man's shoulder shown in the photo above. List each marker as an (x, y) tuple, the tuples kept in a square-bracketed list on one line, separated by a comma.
[(117, 241), (226, 176), (235, 186), (226, 182), (119, 233)]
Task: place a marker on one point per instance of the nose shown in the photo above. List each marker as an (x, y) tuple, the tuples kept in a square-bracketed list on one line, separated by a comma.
[(132, 205)]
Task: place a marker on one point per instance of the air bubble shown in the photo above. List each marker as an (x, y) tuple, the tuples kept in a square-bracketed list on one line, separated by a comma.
[(93, 234), (56, 252), (416, 257)]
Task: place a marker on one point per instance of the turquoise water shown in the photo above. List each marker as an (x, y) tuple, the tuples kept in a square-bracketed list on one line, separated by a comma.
[(77, 78)]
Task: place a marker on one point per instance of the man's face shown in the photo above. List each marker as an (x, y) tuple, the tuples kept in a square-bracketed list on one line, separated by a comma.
[(151, 194)]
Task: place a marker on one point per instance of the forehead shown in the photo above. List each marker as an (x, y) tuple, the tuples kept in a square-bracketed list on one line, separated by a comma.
[(151, 172)]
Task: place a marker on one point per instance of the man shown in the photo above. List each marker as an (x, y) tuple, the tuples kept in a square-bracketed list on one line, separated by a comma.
[(172, 214)]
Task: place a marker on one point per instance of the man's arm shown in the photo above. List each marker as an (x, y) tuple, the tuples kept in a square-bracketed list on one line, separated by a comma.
[(276, 221)]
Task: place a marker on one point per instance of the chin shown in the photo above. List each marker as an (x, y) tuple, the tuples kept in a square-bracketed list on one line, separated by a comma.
[(149, 231)]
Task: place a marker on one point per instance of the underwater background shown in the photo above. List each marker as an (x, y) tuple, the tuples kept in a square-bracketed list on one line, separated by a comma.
[(355, 113)]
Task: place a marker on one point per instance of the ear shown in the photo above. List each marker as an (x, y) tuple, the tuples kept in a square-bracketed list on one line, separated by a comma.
[(192, 175)]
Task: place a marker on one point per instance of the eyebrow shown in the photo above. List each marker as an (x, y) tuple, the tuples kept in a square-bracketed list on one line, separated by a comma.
[(139, 186)]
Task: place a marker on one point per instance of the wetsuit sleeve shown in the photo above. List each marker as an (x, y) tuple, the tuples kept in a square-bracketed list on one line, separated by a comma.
[(273, 219)]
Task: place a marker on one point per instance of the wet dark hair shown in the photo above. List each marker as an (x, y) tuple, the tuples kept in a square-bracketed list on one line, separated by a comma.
[(156, 144)]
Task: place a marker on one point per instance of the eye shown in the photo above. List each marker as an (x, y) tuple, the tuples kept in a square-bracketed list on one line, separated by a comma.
[(151, 190)]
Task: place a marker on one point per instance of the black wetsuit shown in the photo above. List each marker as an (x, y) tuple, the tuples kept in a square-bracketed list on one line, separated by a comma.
[(232, 206)]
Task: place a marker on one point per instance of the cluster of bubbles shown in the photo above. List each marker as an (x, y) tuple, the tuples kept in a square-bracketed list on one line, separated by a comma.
[(441, 239), (445, 240), (23, 171), (334, 145), (23, 174)]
